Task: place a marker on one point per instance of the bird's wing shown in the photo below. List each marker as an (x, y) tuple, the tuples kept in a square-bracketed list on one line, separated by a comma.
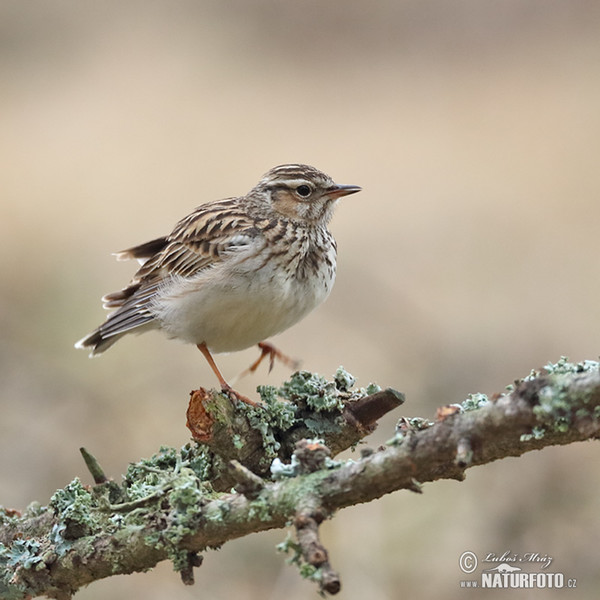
[(198, 241)]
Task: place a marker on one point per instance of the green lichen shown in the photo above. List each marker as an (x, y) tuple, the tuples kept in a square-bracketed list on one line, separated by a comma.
[(168, 483), (405, 426), (306, 570), (166, 459), (76, 516), (270, 423), (561, 367), (281, 470), (8, 517), (24, 552), (564, 367), (161, 472), (474, 401), (201, 460), (537, 433), (372, 388), (174, 486), (260, 509), (418, 423), (72, 506), (185, 497), (314, 390), (343, 380), (319, 426), (186, 493), (320, 395), (217, 511), (10, 589), (282, 415), (289, 544), (555, 401), (307, 398), (397, 440), (237, 441), (554, 406), (513, 386)]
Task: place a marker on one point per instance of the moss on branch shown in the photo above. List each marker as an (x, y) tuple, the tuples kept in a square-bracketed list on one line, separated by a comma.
[(177, 503)]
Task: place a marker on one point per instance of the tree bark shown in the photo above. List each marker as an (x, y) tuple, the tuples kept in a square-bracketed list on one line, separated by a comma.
[(175, 504)]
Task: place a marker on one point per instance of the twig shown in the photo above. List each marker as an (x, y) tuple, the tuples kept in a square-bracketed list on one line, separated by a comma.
[(313, 552), (93, 466)]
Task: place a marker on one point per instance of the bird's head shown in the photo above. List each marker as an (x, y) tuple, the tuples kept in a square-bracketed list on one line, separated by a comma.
[(300, 192)]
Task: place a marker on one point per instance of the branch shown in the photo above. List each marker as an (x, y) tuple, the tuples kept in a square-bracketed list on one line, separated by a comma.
[(166, 506), (255, 437)]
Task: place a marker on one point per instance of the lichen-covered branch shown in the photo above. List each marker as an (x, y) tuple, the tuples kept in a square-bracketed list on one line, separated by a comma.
[(167, 507), (312, 408)]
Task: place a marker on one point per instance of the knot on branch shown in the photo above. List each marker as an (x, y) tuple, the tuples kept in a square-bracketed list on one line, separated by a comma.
[(311, 455), (464, 453)]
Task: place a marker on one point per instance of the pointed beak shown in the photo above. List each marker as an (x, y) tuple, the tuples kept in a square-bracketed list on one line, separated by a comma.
[(343, 190)]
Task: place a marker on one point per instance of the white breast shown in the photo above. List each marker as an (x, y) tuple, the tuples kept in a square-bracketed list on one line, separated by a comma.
[(246, 299)]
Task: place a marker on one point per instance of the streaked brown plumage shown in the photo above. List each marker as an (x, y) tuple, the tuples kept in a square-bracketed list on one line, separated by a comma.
[(234, 271)]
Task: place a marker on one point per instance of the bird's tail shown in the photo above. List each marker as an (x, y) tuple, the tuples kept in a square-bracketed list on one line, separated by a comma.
[(96, 342), (127, 319)]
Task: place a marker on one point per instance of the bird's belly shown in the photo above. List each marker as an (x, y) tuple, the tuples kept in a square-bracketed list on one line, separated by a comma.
[(235, 312)]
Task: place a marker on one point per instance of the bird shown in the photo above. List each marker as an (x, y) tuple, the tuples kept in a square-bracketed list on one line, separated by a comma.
[(234, 271)]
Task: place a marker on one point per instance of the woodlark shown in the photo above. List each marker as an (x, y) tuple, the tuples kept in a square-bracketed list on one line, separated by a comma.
[(234, 271)]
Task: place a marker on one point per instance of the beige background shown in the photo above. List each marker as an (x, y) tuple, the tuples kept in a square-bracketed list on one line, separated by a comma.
[(470, 257)]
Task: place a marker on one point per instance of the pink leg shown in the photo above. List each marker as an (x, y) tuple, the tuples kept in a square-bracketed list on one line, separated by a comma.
[(225, 387)]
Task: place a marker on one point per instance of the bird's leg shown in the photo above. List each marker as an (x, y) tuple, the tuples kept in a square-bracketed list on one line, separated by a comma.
[(267, 349), (225, 387)]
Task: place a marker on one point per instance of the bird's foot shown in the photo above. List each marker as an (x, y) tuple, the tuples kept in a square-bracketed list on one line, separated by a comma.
[(236, 396), (268, 349)]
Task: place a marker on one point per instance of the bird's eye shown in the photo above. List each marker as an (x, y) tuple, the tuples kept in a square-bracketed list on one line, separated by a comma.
[(303, 190)]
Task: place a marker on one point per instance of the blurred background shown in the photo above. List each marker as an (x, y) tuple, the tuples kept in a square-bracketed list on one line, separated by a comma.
[(470, 257)]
